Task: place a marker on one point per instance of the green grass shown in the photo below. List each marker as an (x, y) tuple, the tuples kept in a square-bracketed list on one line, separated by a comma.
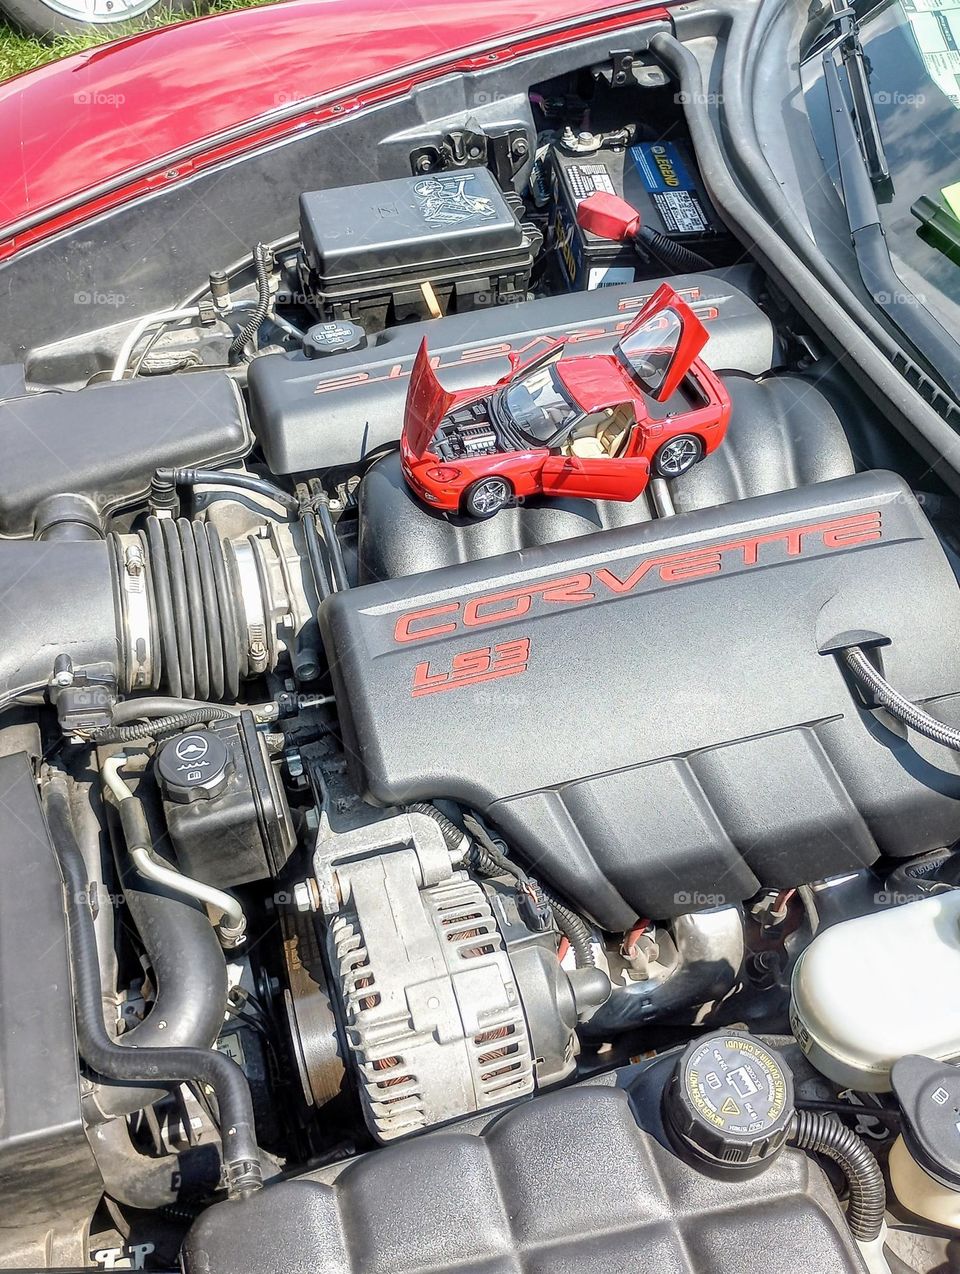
[(24, 52)]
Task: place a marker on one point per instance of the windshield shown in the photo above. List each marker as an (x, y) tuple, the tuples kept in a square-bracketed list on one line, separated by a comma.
[(538, 405), (913, 60)]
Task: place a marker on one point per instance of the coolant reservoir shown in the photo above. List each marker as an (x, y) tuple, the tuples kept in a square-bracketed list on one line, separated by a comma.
[(871, 990)]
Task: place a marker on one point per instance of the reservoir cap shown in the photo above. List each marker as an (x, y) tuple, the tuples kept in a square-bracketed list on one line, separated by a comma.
[(929, 1096), (730, 1104), (194, 766)]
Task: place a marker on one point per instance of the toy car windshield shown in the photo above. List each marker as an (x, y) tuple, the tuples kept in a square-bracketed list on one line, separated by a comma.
[(538, 404), (649, 349)]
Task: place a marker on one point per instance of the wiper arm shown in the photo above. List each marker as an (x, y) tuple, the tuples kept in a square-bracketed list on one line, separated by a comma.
[(905, 311), (870, 142)]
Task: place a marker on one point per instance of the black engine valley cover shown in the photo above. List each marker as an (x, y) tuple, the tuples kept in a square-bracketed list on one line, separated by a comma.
[(652, 715)]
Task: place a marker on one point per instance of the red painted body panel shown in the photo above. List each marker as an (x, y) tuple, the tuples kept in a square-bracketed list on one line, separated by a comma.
[(95, 129)]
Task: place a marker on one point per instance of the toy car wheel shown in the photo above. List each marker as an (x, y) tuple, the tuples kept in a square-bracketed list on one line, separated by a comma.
[(677, 456), (486, 496)]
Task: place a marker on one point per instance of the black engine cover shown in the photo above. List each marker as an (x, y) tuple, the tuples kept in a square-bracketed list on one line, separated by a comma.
[(652, 714)]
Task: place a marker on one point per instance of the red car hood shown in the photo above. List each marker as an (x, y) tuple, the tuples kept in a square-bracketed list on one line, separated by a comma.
[(203, 91)]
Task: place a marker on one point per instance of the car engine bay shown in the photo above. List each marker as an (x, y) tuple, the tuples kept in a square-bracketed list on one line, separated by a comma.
[(441, 892)]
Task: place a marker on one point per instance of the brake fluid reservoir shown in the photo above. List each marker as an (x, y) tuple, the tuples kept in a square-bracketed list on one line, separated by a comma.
[(925, 1159), (871, 990)]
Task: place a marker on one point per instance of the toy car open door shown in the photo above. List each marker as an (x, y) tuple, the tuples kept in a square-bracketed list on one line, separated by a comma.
[(427, 404), (661, 344)]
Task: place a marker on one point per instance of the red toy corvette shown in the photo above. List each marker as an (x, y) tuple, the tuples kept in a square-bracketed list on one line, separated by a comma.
[(590, 426)]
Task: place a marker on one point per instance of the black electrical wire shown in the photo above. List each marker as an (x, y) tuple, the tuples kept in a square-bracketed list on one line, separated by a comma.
[(261, 264), (824, 1134), (488, 859), (153, 729), (674, 255), (203, 1067), (158, 706), (896, 704), (452, 835)]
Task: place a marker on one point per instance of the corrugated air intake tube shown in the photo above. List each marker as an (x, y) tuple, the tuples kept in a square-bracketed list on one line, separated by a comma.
[(180, 597)]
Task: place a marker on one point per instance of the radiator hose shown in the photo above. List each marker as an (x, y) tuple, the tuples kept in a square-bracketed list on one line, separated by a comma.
[(825, 1135), (204, 1067)]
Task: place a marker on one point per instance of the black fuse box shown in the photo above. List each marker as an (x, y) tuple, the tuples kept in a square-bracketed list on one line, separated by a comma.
[(659, 179), (373, 253)]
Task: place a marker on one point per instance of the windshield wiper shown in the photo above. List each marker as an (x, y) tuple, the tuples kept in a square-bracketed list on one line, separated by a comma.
[(901, 306), (847, 43)]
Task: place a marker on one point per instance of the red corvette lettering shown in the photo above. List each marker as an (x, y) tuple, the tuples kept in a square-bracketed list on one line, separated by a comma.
[(668, 568), (472, 667), (402, 631), (575, 588)]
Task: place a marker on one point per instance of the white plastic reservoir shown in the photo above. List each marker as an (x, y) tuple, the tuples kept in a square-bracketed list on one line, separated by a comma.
[(879, 987)]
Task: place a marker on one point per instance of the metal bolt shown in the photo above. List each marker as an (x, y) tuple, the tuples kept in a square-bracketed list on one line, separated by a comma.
[(424, 164), (133, 560), (306, 896)]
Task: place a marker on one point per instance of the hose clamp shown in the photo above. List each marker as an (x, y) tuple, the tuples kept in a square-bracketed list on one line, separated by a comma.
[(136, 620)]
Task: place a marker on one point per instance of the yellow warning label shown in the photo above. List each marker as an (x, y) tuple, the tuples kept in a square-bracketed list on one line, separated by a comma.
[(729, 1107)]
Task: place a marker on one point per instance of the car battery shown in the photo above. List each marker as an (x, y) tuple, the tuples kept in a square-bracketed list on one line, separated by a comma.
[(660, 180), (391, 251)]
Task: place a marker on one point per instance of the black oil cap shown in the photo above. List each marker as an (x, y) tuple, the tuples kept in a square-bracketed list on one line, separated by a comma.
[(729, 1106), (929, 1096), (194, 766), (336, 337)]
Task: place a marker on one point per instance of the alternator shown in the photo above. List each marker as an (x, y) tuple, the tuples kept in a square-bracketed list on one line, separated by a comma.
[(439, 1020)]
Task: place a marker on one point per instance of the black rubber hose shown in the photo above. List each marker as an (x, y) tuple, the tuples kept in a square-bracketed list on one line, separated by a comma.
[(896, 704), (261, 264), (241, 481), (189, 967), (137, 730), (824, 1134), (314, 544), (340, 580), (128, 1064)]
